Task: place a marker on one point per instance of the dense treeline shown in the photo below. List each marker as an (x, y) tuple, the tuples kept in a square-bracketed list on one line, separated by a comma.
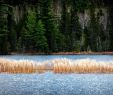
[(40, 30)]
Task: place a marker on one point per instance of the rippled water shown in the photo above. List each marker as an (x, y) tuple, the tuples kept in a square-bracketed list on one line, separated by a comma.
[(57, 84)]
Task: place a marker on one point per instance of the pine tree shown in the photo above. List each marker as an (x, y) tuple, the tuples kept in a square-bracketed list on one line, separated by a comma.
[(12, 37), (111, 28), (93, 28), (4, 45), (30, 28), (39, 37), (33, 35), (76, 30), (52, 32)]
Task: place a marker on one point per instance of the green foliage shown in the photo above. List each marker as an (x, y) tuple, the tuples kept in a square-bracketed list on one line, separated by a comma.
[(93, 28), (82, 4), (39, 37), (3, 30), (30, 26), (53, 35), (110, 28), (40, 30), (34, 35)]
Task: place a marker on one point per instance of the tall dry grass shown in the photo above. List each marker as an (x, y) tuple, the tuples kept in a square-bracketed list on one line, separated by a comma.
[(56, 65), (21, 66), (82, 66)]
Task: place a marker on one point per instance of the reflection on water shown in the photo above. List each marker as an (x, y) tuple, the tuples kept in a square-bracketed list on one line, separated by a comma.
[(49, 57), (57, 84)]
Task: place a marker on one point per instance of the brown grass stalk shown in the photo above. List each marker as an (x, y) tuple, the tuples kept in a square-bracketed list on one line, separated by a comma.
[(56, 65)]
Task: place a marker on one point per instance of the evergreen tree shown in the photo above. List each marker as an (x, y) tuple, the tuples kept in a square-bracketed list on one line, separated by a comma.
[(40, 30), (52, 31), (4, 44), (30, 28), (12, 37), (76, 30), (39, 37), (93, 28), (33, 35), (111, 28)]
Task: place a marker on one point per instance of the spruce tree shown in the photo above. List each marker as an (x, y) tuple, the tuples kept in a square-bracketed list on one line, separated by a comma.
[(52, 32), (4, 44), (39, 37)]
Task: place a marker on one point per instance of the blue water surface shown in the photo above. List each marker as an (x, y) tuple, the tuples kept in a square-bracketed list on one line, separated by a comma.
[(49, 57)]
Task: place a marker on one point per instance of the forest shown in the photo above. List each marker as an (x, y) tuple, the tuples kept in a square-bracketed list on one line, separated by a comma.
[(45, 26)]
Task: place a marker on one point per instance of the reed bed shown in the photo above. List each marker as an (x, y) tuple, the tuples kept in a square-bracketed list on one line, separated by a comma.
[(56, 66), (82, 66), (20, 66)]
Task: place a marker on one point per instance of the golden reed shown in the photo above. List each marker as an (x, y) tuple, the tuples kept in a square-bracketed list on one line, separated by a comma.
[(55, 65)]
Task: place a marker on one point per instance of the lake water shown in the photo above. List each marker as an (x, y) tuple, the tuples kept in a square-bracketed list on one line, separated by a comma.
[(57, 84)]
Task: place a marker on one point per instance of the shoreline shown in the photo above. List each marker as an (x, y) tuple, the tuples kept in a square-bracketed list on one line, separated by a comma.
[(62, 53)]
